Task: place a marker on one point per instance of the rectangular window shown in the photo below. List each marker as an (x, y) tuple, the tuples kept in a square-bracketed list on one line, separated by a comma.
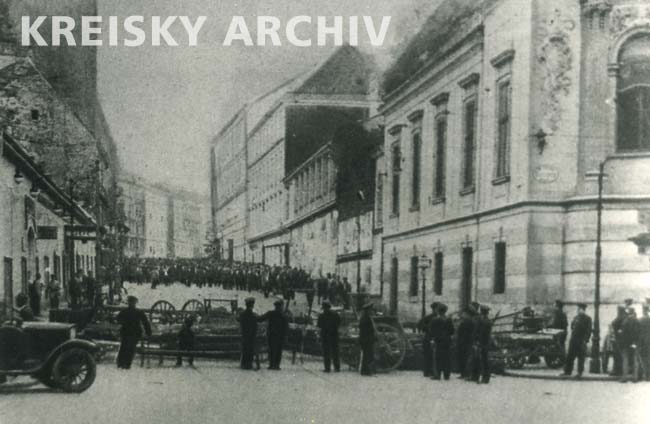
[(417, 165), (397, 169), (469, 143), (413, 288), (504, 94), (441, 143), (499, 268), (437, 276)]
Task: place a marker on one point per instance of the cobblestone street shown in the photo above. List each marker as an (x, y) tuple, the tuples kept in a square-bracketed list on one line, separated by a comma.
[(219, 392)]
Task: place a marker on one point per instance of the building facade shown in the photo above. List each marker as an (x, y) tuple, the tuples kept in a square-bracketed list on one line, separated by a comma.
[(495, 129), (290, 181), (163, 222)]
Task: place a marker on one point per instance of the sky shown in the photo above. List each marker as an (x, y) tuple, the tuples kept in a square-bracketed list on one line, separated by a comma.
[(164, 104)]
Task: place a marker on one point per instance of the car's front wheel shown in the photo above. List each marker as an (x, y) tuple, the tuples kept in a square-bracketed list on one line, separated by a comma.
[(74, 370)]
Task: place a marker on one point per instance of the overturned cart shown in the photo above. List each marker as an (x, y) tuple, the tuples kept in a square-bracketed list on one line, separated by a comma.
[(523, 338), (391, 347), (217, 332)]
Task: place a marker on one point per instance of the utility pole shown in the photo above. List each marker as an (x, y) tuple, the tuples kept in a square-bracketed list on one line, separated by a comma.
[(71, 232), (99, 274)]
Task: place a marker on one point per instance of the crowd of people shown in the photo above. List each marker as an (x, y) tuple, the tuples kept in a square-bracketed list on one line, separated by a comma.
[(281, 281), (629, 342)]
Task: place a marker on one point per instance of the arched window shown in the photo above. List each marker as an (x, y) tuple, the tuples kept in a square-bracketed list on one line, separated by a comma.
[(633, 95)]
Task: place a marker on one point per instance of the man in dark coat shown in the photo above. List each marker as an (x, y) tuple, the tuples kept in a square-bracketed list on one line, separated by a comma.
[(248, 326), (367, 339), (580, 335), (616, 327), (464, 340), (186, 341), (278, 324), (628, 341), (424, 326), (132, 320), (559, 321), (329, 322), (34, 291), (441, 332), (482, 335), (74, 290)]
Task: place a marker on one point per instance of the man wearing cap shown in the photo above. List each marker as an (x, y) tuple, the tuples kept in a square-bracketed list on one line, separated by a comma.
[(248, 327), (132, 320), (628, 342), (442, 330), (616, 327), (464, 339), (367, 339), (329, 322), (424, 326), (482, 335), (276, 332), (559, 321), (580, 335)]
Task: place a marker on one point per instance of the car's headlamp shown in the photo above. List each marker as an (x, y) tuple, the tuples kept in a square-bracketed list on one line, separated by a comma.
[(73, 333)]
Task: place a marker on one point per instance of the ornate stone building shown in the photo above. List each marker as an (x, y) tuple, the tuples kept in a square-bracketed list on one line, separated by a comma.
[(498, 116)]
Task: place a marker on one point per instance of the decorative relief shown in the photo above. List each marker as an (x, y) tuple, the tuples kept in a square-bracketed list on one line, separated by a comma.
[(628, 16), (556, 59)]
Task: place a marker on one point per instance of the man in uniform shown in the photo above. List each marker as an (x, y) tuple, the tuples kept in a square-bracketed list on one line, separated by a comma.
[(329, 323), (276, 332), (424, 326), (559, 321), (580, 335), (75, 290), (628, 342), (616, 328), (367, 339), (248, 326), (441, 331), (464, 339), (482, 335), (644, 342), (132, 321)]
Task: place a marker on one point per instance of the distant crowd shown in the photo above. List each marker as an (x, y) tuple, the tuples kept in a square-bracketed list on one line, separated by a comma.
[(206, 272)]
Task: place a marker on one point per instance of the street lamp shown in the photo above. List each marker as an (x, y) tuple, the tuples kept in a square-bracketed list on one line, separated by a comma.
[(594, 365), (424, 263)]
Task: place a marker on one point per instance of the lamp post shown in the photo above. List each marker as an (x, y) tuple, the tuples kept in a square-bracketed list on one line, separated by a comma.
[(362, 197), (424, 263), (594, 365)]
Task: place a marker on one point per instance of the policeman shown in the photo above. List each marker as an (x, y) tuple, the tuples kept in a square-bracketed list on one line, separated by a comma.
[(441, 331), (464, 340), (616, 327), (482, 335), (131, 320), (329, 322), (629, 340), (278, 324), (560, 322), (367, 339), (424, 326), (580, 335), (644, 342), (186, 341), (248, 326)]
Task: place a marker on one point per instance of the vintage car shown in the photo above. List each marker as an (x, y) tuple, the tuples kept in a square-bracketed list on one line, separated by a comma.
[(48, 352)]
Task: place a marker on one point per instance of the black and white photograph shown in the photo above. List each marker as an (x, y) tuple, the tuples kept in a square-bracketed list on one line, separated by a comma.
[(324, 211)]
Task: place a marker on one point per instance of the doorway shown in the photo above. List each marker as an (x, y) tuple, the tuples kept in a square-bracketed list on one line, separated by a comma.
[(466, 279)]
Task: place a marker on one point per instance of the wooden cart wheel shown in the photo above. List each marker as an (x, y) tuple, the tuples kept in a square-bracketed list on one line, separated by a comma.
[(390, 349), (162, 312), (194, 306)]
